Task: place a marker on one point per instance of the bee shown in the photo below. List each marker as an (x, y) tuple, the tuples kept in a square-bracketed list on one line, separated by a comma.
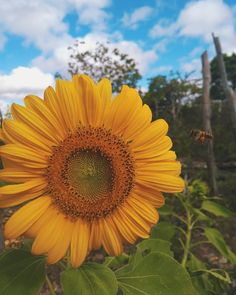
[(200, 135)]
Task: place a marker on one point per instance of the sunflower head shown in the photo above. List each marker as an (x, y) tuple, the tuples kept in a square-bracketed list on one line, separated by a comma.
[(92, 169)]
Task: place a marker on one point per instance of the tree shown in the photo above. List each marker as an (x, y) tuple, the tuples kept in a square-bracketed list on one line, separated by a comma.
[(206, 116), (102, 62), (229, 92), (230, 65), (165, 95)]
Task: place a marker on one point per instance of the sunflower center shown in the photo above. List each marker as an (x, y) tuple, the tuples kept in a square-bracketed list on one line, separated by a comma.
[(90, 173)]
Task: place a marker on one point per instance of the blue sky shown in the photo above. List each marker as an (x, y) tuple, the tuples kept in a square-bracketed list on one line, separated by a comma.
[(160, 35)]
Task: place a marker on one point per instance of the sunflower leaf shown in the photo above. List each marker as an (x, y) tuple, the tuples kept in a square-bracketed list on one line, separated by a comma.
[(90, 278), (21, 272), (163, 230), (156, 245), (216, 209), (155, 274), (216, 238)]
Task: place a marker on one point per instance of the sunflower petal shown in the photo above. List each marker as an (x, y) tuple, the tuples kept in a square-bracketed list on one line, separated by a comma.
[(150, 135), (90, 99), (162, 182), (79, 242), (23, 218), (62, 242), (15, 194), (123, 109), (111, 238)]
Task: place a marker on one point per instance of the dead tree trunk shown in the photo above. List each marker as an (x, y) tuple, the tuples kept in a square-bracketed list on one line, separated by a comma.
[(228, 91), (206, 114)]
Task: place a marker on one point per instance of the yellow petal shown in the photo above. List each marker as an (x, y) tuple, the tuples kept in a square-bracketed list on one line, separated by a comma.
[(167, 156), (150, 135), (14, 194), (172, 168), (110, 237), (62, 242), (138, 123), (143, 208), (25, 156), (38, 106), (17, 175), (123, 109), (48, 234), (35, 228), (52, 102), (29, 118), (69, 104), (90, 99), (105, 91), (162, 182), (152, 195), (122, 227), (23, 218), (79, 242), (158, 148), (134, 222), (16, 132), (95, 240)]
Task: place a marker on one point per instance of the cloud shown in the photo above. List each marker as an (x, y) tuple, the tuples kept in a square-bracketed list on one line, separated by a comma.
[(163, 29), (199, 19), (138, 15), (58, 61), (41, 22), (23, 81), (192, 66)]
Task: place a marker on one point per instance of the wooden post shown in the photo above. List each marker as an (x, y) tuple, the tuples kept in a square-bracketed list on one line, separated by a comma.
[(206, 112), (228, 91)]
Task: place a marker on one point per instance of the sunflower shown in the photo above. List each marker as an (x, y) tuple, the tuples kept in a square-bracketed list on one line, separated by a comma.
[(90, 169)]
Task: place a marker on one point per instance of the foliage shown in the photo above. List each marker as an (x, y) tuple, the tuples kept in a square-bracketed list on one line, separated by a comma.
[(230, 64), (167, 263), (166, 95), (103, 62)]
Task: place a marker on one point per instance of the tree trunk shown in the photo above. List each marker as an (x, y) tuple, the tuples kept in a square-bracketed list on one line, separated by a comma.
[(206, 112), (228, 91)]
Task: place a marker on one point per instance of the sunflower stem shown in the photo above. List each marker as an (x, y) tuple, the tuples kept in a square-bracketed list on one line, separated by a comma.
[(187, 245), (50, 286)]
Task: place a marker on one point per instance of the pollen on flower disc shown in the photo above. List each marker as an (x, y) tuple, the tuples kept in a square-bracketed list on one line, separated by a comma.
[(90, 173)]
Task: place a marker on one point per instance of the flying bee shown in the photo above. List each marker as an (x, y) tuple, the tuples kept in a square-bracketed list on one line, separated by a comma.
[(200, 135)]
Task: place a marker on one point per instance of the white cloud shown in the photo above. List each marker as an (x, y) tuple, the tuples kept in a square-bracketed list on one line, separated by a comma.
[(163, 29), (58, 61), (193, 65), (41, 22), (138, 15), (23, 81), (199, 19), (164, 69)]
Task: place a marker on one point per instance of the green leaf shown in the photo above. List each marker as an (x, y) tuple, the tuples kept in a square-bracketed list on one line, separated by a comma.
[(21, 272), (163, 230), (215, 273), (200, 280), (165, 210), (116, 261), (216, 209), (156, 245), (201, 216), (90, 278), (155, 274), (216, 238)]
